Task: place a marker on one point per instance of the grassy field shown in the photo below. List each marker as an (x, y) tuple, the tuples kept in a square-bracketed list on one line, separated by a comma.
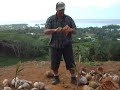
[(7, 61)]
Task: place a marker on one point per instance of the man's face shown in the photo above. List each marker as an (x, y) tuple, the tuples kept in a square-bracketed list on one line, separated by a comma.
[(60, 13)]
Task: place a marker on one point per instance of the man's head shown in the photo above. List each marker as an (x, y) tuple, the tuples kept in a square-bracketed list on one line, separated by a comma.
[(60, 7)]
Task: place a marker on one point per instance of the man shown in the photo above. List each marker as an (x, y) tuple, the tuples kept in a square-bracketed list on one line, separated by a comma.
[(61, 27)]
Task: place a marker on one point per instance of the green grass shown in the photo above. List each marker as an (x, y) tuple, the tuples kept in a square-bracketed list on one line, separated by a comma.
[(7, 61), (89, 63)]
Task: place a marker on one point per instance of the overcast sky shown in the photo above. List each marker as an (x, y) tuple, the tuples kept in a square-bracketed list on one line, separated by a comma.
[(27, 10)]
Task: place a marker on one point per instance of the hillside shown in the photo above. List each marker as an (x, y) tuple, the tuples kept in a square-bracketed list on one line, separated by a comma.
[(35, 71)]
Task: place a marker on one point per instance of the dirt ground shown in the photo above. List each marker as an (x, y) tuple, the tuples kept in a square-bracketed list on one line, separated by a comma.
[(35, 71)]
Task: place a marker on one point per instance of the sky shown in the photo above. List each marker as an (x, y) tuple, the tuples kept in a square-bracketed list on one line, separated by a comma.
[(30, 10)]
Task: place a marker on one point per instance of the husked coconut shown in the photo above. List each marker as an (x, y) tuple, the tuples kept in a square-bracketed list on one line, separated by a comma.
[(47, 88), (93, 84), (86, 87), (5, 82), (36, 85), (93, 78), (34, 89), (92, 72), (20, 87), (7, 88), (17, 83), (13, 81), (49, 74), (83, 73), (116, 78), (41, 85), (82, 80), (88, 76), (106, 75), (26, 85), (25, 81)]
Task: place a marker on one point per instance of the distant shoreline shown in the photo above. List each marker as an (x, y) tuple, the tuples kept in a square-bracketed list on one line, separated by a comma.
[(79, 22)]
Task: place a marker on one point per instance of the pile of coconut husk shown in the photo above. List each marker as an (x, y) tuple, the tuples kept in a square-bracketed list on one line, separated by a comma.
[(98, 80)]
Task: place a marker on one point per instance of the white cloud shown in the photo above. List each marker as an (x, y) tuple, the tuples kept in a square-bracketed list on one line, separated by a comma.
[(18, 10), (92, 3), (23, 9)]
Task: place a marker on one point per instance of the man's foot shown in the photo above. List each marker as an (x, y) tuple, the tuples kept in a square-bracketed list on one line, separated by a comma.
[(73, 80), (55, 80)]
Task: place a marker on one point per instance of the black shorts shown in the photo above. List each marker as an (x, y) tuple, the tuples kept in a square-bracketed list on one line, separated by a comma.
[(56, 56)]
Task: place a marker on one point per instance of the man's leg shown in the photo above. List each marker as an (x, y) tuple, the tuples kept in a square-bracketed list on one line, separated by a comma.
[(55, 62), (70, 63)]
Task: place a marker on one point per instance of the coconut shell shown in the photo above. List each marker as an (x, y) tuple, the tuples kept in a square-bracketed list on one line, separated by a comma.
[(49, 74), (86, 87), (116, 78), (6, 82), (7, 88), (88, 77), (93, 84), (82, 80)]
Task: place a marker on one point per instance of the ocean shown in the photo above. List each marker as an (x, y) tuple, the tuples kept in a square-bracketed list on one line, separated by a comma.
[(83, 23), (80, 23)]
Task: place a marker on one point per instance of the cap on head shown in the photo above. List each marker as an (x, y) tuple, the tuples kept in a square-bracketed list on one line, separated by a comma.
[(60, 6)]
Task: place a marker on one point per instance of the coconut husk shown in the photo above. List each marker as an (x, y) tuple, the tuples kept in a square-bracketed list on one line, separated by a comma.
[(109, 84)]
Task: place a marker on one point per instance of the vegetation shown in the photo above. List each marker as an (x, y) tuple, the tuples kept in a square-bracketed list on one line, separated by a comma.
[(18, 70), (94, 43)]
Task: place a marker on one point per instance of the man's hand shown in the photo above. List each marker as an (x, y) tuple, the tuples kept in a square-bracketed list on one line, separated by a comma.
[(66, 30), (59, 29)]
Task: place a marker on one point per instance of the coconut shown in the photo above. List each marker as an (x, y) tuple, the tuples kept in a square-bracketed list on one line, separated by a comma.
[(5, 82), (41, 85), (25, 81), (82, 80), (93, 84), (20, 87), (92, 72), (86, 87), (47, 88), (88, 76), (34, 89), (13, 81), (100, 70), (83, 73), (116, 78), (49, 74), (7, 88), (17, 83), (36, 85), (26, 85), (106, 75)]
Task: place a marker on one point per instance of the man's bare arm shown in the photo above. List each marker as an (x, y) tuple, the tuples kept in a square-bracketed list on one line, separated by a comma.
[(49, 31)]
